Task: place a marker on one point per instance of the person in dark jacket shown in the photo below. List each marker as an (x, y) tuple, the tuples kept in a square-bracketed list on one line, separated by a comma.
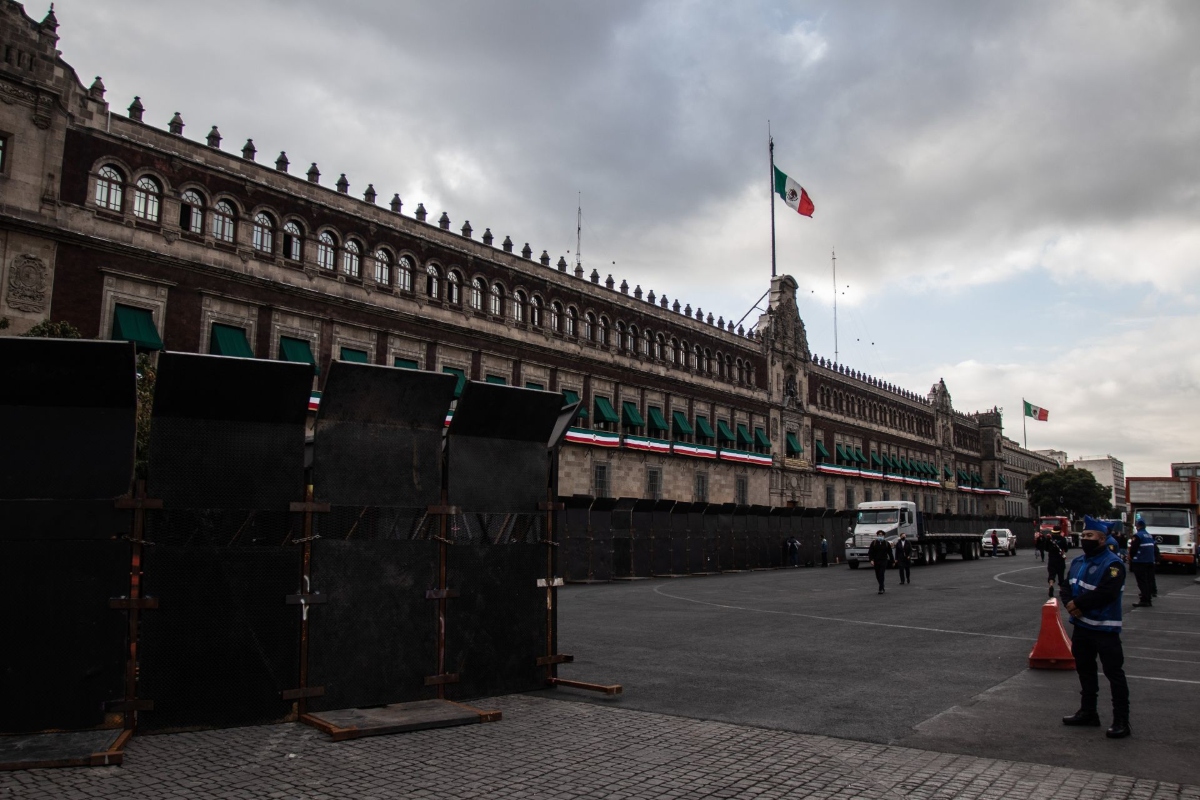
[(995, 544), (824, 552), (1092, 596), (793, 551), (1056, 560), (904, 553), (1039, 545), (1141, 562), (880, 556)]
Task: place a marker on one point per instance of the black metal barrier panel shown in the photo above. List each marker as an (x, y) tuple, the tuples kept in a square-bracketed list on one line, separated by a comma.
[(602, 563), (641, 540), (622, 538), (676, 529), (67, 418)]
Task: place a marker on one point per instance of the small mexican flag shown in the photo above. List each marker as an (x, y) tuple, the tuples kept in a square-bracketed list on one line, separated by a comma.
[(1039, 414), (793, 194)]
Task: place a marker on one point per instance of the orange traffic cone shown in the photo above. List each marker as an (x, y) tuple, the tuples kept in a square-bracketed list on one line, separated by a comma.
[(1053, 648)]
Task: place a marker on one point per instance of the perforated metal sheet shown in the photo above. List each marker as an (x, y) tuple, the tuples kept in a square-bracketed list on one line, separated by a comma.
[(64, 648), (496, 627), (374, 639), (223, 643)]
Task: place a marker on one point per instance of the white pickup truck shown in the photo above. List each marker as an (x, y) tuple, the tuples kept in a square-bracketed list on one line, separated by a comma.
[(1006, 542)]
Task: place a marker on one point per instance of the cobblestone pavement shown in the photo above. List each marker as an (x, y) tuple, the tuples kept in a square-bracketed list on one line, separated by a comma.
[(548, 748)]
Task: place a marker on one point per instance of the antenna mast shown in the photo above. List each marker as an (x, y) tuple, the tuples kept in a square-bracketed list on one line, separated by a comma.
[(835, 339), (579, 232)]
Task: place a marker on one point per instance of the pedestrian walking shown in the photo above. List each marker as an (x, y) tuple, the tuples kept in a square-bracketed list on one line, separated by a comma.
[(995, 543), (904, 559), (824, 552), (793, 548), (1056, 560), (880, 556), (1039, 546), (1092, 596), (1141, 562)]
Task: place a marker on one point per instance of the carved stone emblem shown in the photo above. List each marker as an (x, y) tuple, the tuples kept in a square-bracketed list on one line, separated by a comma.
[(170, 236), (27, 279)]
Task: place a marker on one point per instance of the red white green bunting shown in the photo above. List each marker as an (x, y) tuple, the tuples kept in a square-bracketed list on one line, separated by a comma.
[(314, 401), (694, 450)]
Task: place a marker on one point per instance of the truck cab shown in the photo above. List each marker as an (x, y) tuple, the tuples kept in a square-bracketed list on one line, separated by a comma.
[(1048, 525), (893, 517), (1174, 531)]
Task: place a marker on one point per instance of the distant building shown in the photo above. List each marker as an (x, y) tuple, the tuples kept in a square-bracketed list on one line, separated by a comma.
[(1109, 472), (1019, 466), (1059, 456), (1185, 469)]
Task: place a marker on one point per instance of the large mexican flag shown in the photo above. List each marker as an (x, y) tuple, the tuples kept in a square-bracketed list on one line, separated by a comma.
[(793, 194), (1039, 414)]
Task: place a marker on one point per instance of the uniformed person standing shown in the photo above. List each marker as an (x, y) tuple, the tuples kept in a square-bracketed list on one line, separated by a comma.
[(1141, 561), (1092, 596), (1056, 560), (880, 556)]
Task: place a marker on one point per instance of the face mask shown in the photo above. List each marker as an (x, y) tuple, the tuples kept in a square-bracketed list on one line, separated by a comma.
[(1091, 546)]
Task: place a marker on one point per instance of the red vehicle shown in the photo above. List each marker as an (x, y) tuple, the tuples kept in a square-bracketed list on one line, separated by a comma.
[(1048, 525)]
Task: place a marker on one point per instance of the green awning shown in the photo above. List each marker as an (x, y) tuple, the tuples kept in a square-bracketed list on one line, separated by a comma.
[(657, 423), (947, 473), (821, 451), (977, 479), (357, 356), (570, 397), (630, 414), (793, 445), (406, 363), (136, 325), (743, 435), (760, 439), (841, 453), (682, 428), (962, 477), (723, 432), (496, 379), (859, 457), (904, 465), (929, 470), (605, 412), (1003, 482), (532, 385), (227, 340), (704, 429), (296, 350), (462, 379), (875, 460), (920, 467)]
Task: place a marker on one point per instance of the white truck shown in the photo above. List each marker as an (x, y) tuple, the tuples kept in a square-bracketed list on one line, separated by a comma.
[(894, 517), (1169, 508)]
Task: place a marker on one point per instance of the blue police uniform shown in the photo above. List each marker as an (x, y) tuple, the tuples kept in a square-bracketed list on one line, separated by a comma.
[(1096, 584), (1141, 562)]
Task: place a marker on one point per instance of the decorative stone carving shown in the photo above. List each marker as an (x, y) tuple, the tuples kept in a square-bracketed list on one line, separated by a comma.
[(28, 277), (170, 236)]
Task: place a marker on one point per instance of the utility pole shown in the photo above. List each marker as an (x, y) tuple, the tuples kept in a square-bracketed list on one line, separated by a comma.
[(579, 232)]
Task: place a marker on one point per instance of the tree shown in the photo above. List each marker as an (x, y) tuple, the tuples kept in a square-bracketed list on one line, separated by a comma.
[(54, 330), (1069, 492)]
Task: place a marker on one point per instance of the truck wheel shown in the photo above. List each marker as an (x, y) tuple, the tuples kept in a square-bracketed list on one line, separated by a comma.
[(853, 564)]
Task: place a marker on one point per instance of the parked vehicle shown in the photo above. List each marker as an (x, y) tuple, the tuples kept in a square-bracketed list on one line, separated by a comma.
[(1169, 507), (1006, 542), (894, 517), (1048, 525)]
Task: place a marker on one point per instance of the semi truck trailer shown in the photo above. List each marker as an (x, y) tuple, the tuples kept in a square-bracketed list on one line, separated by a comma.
[(1169, 507), (894, 517)]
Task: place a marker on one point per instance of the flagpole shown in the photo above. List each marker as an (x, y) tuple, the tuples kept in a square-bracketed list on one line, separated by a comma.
[(1024, 434), (771, 150)]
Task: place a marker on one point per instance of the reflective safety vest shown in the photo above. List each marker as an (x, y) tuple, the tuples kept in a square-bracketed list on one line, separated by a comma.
[(1145, 551), (1085, 575)]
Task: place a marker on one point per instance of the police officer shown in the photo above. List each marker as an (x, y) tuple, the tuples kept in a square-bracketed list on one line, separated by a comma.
[(904, 559), (1056, 559), (880, 556), (1092, 597), (1141, 561)]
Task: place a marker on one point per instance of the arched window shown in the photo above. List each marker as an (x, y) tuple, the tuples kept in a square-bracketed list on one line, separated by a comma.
[(191, 212), (453, 288), (687, 355), (535, 312), (264, 233), (633, 340), (676, 353), (556, 314), (404, 274), (572, 322), (497, 300), (383, 267), (222, 221), (604, 331), (110, 188), (433, 282), (589, 326), (352, 259), (519, 305), (708, 362), (326, 246), (622, 337), (293, 238), (658, 347), (147, 198), (478, 287)]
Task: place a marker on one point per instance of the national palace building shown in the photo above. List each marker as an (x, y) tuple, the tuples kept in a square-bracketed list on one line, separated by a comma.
[(128, 230)]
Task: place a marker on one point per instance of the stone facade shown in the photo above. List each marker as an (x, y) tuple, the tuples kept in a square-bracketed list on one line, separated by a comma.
[(101, 209), (1020, 465)]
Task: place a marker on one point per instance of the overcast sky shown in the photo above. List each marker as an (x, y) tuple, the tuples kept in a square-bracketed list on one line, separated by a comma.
[(1012, 188)]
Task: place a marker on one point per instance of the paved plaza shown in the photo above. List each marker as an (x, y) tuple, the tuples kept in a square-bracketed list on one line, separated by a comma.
[(800, 683)]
